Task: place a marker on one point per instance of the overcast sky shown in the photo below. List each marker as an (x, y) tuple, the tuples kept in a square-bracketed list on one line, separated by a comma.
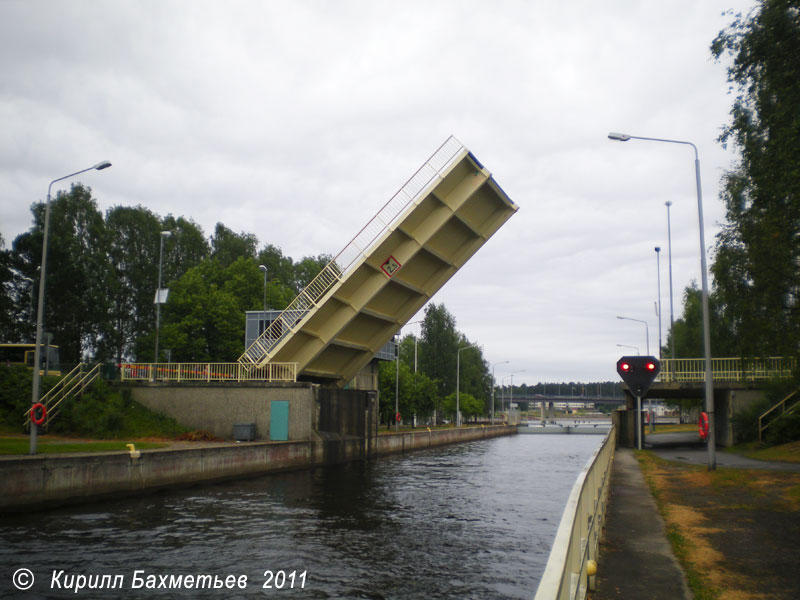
[(297, 121)]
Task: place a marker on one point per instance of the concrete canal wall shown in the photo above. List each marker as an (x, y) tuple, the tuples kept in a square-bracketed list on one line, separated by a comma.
[(29, 482)]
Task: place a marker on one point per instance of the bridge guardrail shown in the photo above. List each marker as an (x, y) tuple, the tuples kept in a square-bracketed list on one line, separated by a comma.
[(182, 372), (686, 370), (578, 536)]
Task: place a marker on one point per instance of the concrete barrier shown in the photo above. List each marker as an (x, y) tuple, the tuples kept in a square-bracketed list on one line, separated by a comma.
[(29, 482)]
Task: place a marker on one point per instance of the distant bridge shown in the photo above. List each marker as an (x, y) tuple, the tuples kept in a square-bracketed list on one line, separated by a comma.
[(535, 398)]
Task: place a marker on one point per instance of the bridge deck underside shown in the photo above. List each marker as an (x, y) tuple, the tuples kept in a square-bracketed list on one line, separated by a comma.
[(429, 241)]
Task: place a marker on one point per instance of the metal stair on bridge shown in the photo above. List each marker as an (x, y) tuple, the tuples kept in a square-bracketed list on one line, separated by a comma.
[(428, 230), (787, 406)]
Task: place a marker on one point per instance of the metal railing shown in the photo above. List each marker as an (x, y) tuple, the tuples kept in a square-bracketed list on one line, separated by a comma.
[(684, 370), (208, 372), (352, 252), (72, 384), (578, 536), (782, 406)]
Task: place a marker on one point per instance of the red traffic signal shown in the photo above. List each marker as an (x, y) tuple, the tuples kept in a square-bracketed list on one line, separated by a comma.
[(638, 372)]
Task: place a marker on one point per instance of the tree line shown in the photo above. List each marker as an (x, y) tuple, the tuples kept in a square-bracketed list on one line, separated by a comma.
[(103, 274)]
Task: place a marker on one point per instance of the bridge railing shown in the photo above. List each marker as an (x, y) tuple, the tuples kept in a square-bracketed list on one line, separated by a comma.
[(578, 536), (208, 372), (358, 247), (686, 370)]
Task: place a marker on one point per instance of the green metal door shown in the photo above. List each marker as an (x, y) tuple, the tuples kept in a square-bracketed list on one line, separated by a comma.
[(279, 420)]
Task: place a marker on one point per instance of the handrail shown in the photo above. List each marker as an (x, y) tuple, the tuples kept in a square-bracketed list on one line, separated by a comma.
[(683, 370), (207, 372), (782, 406), (79, 383), (71, 384), (357, 248), (565, 577)]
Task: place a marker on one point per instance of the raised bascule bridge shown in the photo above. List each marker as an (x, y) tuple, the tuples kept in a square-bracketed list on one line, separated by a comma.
[(418, 240), (311, 370)]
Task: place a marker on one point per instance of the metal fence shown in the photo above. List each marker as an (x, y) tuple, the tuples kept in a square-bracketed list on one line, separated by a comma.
[(726, 369), (232, 372), (353, 251), (578, 536)]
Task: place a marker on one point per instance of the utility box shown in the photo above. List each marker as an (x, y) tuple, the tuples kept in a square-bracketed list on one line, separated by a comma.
[(244, 432)]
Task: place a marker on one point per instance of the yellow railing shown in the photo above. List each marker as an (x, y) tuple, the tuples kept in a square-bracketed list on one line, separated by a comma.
[(762, 424), (684, 370), (578, 537), (72, 384), (356, 249), (208, 372)]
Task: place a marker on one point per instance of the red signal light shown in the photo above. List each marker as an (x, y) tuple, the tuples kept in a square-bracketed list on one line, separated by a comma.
[(625, 367), (650, 366)]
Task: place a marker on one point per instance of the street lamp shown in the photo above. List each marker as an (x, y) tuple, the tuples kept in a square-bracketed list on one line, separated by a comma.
[(511, 396), (658, 277), (668, 203), (264, 268), (397, 373), (502, 362), (458, 382), (646, 330), (712, 457), (160, 299), (37, 355)]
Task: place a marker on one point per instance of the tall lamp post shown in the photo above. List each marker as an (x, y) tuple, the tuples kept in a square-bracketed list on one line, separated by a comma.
[(712, 456), (159, 299), (646, 330), (264, 268), (37, 355), (397, 374), (668, 203), (502, 362), (458, 381), (658, 277)]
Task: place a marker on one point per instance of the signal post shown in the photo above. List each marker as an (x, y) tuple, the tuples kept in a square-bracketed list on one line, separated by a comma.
[(639, 373)]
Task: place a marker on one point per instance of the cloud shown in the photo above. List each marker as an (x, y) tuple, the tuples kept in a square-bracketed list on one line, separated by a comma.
[(298, 121)]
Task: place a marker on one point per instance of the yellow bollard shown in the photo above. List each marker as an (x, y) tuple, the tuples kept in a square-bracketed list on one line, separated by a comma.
[(134, 453)]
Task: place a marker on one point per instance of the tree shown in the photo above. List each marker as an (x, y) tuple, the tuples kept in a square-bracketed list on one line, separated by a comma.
[(308, 268), (201, 322), (438, 345), (133, 254), (758, 251), (8, 290), (227, 246), (687, 333), (77, 274)]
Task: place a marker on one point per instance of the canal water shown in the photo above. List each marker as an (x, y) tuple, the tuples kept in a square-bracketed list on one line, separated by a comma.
[(473, 520)]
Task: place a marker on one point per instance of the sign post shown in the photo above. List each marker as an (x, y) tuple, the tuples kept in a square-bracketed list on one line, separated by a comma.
[(638, 372)]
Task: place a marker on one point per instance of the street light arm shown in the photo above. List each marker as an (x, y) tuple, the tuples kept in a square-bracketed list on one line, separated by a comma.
[(624, 137)]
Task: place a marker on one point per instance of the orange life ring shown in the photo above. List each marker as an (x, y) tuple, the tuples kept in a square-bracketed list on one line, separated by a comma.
[(397, 417), (703, 426), (41, 419)]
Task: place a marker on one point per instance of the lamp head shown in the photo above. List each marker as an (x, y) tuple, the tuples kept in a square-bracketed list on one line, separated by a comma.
[(263, 268), (668, 203), (102, 165), (658, 248), (620, 137), (166, 233)]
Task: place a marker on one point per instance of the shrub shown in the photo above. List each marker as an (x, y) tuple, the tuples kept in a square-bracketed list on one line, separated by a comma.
[(784, 429)]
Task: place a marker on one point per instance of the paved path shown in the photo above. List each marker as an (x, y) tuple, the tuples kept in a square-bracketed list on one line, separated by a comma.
[(684, 447), (636, 560)]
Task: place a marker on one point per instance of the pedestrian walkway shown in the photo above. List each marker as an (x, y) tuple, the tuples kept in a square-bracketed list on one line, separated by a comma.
[(635, 560)]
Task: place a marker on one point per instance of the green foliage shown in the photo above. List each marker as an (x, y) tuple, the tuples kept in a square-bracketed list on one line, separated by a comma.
[(756, 264), (745, 422), (15, 394), (785, 429)]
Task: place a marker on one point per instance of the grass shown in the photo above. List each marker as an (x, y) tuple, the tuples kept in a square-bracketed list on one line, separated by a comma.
[(21, 445), (675, 428), (784, 453), (699, 584)]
